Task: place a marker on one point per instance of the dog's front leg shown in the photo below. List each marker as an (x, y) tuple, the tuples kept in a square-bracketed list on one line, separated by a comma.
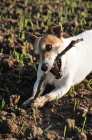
[(58, 92), (35, 88)]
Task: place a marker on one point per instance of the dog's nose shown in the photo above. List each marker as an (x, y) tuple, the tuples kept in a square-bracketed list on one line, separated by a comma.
[(44, 67)]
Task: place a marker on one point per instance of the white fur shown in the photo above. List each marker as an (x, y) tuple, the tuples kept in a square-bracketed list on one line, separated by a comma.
[(76, 65)]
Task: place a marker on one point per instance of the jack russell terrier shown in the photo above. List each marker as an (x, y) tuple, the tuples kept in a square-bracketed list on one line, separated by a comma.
[(71, 69)]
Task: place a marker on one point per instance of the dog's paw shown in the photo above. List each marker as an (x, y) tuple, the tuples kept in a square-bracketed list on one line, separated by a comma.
[(27, 102), (38, 102)]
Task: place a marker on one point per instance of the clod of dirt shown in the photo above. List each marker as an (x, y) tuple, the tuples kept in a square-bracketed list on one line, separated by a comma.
[(4, 115), (6, 62), (33, 132), (70, 123), (80, 136), (52, 135), (14, 99), (22, 111), (73, 94), (9, 126), (83, 111), (10, 139)]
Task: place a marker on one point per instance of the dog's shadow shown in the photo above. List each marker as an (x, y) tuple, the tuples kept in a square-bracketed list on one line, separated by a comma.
[(48, 89)]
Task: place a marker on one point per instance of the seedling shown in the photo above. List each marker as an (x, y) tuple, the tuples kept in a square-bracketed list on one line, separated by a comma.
[(31, 23), (0, 120), (89, 84), (34, 67), (22, 126), (47, 128), (71, 89), (6, 88), (15, 108), (73, 124), (56, 101), (2, 50), (75, 105), (65, 127), (84, 123), (2, 104)]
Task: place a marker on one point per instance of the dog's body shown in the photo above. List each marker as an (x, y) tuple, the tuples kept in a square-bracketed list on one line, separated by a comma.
[(76, 64)]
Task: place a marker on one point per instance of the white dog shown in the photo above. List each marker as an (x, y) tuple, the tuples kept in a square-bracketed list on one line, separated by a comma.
[(71, 69)]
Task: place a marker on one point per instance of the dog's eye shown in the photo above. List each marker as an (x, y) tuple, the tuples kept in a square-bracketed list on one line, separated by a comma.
[(48, 47)]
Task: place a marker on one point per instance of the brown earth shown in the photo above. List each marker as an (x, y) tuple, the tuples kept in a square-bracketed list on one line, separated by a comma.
[(17, 79)]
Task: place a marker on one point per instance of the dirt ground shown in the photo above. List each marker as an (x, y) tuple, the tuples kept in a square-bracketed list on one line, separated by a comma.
[(71, 117)]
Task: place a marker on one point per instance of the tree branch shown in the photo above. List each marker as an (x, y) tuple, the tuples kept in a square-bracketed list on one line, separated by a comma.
[(40, 86), (72, 43)]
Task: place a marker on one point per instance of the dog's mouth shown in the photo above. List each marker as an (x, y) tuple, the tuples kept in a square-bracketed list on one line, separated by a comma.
[(56, 69)]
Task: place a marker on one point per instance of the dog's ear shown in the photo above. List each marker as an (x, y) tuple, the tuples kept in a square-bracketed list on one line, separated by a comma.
[(31, 38), (55, 29)]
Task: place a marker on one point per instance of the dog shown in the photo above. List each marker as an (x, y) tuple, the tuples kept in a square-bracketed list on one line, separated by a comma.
[(71, 68)]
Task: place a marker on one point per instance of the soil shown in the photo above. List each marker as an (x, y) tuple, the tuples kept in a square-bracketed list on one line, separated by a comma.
[(71, 117)]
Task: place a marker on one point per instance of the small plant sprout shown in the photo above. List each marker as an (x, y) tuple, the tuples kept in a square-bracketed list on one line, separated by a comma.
[(0, 120), (34, 67), (22, 126), (31, 23), (75, 105), (65, 127), (15, 108), (71, 89), (2, 104), (73, 124), (6, 88), (47, 128), (34, 115), (84, 123), (89, 84), (56, 101), (26, 2), (2, 50)]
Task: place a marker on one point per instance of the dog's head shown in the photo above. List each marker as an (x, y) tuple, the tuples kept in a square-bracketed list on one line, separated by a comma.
[(48, 47)]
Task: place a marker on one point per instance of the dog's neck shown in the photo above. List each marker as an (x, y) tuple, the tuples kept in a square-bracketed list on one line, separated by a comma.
[(66, 41)]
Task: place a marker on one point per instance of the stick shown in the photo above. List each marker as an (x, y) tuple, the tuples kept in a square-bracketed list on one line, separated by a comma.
[(40, 85), (72, 43)]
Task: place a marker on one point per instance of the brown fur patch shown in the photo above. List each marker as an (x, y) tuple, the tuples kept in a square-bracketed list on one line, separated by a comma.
[(48, 39)]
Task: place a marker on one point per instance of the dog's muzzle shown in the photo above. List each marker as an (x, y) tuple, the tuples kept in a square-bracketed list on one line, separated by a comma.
[(56, 69), (44, 67)]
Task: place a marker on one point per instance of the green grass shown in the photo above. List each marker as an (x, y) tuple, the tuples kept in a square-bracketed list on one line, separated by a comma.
[(89, 84), (71, 89), (75, 105), (83, 125), (65, 128), (22, 126), (2, 104)]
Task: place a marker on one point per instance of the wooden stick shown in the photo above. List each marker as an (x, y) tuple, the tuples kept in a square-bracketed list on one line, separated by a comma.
[(72, 43), (40, 86)]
